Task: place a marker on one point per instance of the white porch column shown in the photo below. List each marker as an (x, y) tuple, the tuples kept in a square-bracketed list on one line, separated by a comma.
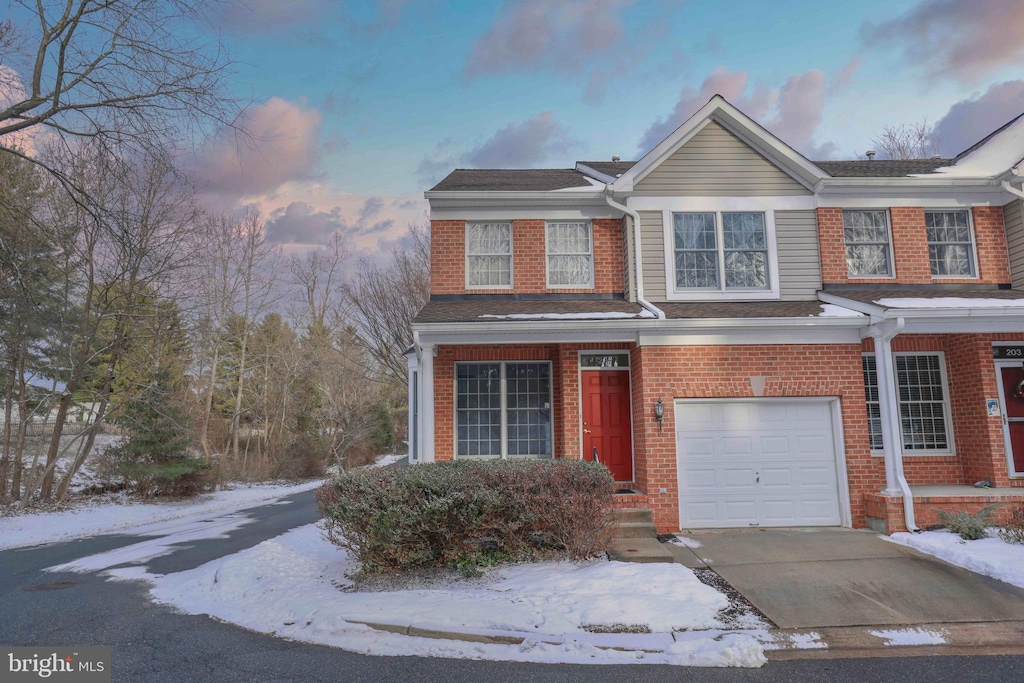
[(889, 407), (414, 405), (888, 404), (426, 402)]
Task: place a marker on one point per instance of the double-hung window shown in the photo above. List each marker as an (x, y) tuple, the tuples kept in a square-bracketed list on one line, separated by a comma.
[(489, 255), (950, 243), (720, 251), (570, 254), (923, 402), (868, 243), (503, 410)]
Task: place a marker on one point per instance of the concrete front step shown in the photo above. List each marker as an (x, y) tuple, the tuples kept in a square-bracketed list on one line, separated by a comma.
[(635, 530), (639, 550), (634, 515)]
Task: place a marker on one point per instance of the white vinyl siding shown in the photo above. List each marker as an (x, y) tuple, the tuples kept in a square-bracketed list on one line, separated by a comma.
[(1013, 215), (950, 243), (570, 255), (868, 243), (923, 403), (716, 163), (489, 255)]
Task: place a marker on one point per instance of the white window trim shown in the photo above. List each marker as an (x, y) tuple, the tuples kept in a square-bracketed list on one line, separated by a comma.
[(503, 398), (892, 252), (974, 245), (947, 412), (511, 255), (672, 293), (547, 254)]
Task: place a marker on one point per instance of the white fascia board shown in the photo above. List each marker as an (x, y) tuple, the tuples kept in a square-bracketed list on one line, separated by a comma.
[(593, 192), (968, 325), (739, 124), (594, 174), (946, 314), (767, 203), (523, 213), (861, 307), (543, 331), (757, 336)]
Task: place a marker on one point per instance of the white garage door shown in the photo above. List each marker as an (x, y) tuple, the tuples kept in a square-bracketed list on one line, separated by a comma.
[(759, 462)]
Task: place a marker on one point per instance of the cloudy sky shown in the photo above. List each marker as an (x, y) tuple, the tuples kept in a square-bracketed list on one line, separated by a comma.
[(360, 106)]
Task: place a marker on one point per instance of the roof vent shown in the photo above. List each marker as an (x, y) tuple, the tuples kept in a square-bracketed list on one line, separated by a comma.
[(936, 156), (616, 158), (870, 154)]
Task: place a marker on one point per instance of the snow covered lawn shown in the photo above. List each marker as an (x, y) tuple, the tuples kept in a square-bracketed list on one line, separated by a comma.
[(111, 517), (989, 556), (296, 586)]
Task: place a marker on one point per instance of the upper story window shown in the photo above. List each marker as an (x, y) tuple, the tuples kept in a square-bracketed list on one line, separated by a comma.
[(489, 255), (570, 253), (868, 243), (721, 251), (950, 243)]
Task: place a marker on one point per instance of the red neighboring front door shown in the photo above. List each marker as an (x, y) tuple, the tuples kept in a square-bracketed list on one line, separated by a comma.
[(1014, 409), (607, 428)]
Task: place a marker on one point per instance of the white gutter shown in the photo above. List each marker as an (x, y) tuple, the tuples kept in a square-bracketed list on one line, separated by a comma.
[(637, 257), (892, 444), (1011, 189)]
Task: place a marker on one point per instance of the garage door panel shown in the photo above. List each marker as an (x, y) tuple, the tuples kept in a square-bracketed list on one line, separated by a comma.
[(756, 462)]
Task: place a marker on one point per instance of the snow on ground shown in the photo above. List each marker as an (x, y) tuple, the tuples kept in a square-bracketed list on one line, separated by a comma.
[(296, 586), (385, 460), (989, 556), (112, 517), (797, 641), (685, 541), (949, 302), (910, 636)]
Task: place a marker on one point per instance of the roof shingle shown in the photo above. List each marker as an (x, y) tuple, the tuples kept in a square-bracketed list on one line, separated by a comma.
[(881, 168), (511, 180)]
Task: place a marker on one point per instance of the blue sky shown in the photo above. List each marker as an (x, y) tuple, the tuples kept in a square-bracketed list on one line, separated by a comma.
[(359, 106)]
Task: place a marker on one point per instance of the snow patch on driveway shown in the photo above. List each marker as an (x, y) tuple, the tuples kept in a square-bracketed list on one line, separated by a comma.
[(989, 556), (296, 586), (910, 636)]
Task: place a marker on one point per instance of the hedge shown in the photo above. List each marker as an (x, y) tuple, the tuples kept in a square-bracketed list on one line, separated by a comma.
[(467, 513)]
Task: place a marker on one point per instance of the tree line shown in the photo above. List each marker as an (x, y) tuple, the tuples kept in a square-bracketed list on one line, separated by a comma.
[(188, 334)]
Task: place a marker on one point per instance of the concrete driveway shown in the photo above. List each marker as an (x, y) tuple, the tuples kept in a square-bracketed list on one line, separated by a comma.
[(802, 578)]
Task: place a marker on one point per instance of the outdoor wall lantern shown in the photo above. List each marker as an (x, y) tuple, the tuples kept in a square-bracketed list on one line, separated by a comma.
[(659, 412)]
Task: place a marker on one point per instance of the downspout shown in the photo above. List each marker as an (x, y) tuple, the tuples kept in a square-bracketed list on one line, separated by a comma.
[(890, 424), (637, 258)]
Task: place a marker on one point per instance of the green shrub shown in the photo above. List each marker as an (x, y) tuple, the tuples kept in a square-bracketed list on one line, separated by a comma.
[(465, 514), (969, 527), (1013, 530)]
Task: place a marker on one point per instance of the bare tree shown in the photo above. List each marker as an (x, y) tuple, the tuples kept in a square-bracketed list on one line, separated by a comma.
[(130, 75), (384, 299), (906, 141)]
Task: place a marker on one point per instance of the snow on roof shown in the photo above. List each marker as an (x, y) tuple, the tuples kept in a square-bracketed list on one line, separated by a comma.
[(1002, 151), (833, 311), (609, 315), (950, 302)]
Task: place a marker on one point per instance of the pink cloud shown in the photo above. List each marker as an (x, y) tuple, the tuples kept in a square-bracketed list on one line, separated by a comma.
[(970, 120), (282, 146), (960, 39), (796, 108), (561, 35)]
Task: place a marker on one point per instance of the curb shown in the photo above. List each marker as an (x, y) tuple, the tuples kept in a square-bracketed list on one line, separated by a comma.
[(972, 638)]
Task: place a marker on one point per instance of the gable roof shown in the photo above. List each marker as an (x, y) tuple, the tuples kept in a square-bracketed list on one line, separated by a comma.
[(512, 180), (740, 125)]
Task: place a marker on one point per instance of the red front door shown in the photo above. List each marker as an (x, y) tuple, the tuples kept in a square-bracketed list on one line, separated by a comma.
[(607, 428), (1014, 409)]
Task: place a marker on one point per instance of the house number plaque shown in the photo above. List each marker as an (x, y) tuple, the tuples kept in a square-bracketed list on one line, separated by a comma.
[(1009, 352)]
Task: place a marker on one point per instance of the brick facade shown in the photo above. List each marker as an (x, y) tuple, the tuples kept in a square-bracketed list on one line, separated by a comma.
[(910, 248), (825, 370), (529, 258)]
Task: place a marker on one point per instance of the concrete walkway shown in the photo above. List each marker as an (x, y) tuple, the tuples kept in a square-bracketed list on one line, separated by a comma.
[(804, 578)]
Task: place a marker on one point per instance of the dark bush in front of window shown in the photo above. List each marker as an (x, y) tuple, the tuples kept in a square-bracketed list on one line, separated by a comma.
[(463, 513)]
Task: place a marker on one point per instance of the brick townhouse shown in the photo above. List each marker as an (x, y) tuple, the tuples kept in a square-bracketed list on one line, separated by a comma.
[(744, 337)]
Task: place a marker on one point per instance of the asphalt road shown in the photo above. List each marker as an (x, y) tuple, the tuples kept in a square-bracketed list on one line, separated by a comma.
[(154, 643)]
